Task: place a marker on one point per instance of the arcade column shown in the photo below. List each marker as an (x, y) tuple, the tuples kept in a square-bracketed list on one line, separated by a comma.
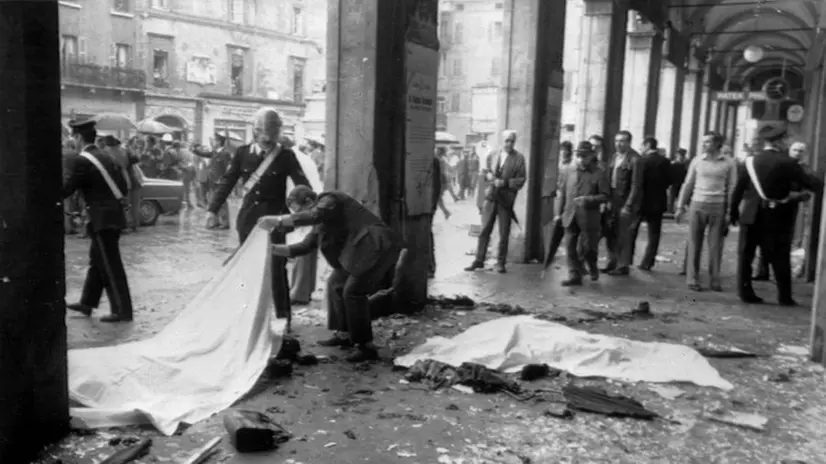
[(677, 126), (692, 108), (368, 154), (34, 403), (641, 94), (531, 104), (600, 81)]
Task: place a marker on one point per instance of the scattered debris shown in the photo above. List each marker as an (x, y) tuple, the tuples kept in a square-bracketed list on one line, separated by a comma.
[(596, 400), (452, 407), (126, 441), (458, 301), (132, 453), (463, 389), (538, 371), (780, 377), (726, 352), (669, 393), (559, 411), (277, 368), (740, 419), (252, 431), (307, 360), (330, 445), (290, 349), (350, 434), (791, 350), (506, 309), (406, 454), (205, 452)]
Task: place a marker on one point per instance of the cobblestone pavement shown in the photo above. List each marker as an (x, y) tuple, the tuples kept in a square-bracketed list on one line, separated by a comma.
[(393, 422)]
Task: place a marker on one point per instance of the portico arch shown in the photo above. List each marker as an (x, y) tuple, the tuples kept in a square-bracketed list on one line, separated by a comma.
[(175, 122), (747, 15)]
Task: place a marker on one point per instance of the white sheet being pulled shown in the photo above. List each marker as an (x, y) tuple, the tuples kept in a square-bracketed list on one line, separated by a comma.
[(509, 343), (201, 363)]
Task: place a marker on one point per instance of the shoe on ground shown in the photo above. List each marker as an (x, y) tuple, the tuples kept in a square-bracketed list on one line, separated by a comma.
[(474, 266), (362, 354), (572, 282), (336, 341), (114, 318), (86, 310), (788, 303), (620, 272), (594, 275), (645, 268), (500, 268), (751, 299), (695, 288), (609, 268), (717, 288)]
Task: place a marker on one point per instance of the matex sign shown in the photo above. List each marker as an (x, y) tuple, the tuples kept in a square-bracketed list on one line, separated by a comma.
[(740, 96)]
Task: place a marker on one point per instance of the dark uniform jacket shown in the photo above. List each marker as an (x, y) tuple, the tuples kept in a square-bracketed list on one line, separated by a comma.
[(779, 175), (656, 178), (268, 197), (219, 162), (349, 235), (587, 182), (79, 174), (628, 190)]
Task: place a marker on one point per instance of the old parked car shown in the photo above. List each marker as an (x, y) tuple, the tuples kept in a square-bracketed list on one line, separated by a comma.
[(160, 196)]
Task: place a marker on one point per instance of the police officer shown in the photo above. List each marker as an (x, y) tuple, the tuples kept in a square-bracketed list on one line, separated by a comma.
[(98, 178), (263, 167), (763, 203)]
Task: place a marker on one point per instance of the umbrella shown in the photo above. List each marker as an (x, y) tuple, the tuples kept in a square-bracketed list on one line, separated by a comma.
[(445, 137), (113, 122), (150, 126)]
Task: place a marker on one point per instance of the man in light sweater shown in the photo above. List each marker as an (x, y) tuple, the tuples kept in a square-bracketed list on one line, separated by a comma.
[(707, 192)]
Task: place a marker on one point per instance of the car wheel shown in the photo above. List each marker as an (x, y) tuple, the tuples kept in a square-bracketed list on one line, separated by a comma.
[(150, 211)]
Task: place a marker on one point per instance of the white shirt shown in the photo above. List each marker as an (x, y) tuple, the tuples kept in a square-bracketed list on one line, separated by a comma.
[(503, 155), (618, 160)]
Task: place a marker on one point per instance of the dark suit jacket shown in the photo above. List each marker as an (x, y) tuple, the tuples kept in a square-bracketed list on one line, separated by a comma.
[(105, 211), (779, 175), (269, 195), (349, 236), (436, 176), (592, 184), (678, 171), (656, 178), (513, 172), (628, 190), (219, 162)]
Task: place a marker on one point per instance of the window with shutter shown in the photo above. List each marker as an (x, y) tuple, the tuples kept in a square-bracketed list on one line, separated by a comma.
[(81, 50), (458, 68), (236, 11), (121, 6), (458, 32), (494, 67), (455, 102)]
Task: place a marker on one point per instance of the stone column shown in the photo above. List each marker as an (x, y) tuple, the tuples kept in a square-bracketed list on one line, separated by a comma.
[(668, 101), (692, 109), (677, 125), (366, 114), (34, 400), (601, 70), (641, 92), (531, 104)]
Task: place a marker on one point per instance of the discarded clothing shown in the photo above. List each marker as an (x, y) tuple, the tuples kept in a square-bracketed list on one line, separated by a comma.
[(253, 431), (480, 378), (506, 309), (457, 301), (538, 371), (596, 400)]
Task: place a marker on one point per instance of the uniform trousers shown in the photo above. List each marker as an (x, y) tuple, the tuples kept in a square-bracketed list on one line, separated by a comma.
[(106, 273), (347, 298), (775, 241), (303, 277)]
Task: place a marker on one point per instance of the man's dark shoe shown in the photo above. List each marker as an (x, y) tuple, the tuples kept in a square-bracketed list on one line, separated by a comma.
[(336, 341), (682, 273), (609, 268), (620, 272), (113, 318), (572, 282), (716, 288), (751, 299), (644, 267), (695, 288), (80, 308), (474, 266), (362, 354), (594, 274), (500, 268), (761, 278), (789, 303)]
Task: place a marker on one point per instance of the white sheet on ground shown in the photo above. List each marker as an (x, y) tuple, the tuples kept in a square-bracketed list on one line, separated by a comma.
[(509, 343), (201, 363)]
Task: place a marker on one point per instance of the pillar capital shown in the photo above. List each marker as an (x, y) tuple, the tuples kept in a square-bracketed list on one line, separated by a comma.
[(601, 7)]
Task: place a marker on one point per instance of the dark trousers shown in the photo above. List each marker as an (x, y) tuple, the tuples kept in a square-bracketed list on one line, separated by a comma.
[(557, 234), (491, 213), (762, 264), (654, 224), (432, 264), (347, 306), (106, 273), (619, 239), (581, 243), (280, 283), (776, 245)]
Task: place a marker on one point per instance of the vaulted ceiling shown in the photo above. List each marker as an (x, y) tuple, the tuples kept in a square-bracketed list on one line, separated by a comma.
[(784, 29)]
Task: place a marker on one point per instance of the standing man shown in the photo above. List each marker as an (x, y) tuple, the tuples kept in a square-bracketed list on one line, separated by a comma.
[(582, 189), (435, 200), (677, 172), (507, 174), (462, 174), (766, 214), (100, 180), (566, 154), (625, 175), (264, 167), (708, 189), (655, 182), (473, 171), (359, 247), (219, 160)]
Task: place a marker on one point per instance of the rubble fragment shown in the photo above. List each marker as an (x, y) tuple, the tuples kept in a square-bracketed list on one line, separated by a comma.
[(744, 420), (252, 431), (132, 453), (463, 302), (596, 400), (506, 309), (538, 371)]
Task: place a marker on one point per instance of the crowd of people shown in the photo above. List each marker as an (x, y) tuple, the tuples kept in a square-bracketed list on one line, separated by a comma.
[(608, 195)]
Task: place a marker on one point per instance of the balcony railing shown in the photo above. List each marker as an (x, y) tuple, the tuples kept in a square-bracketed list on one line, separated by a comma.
[(104, 76)]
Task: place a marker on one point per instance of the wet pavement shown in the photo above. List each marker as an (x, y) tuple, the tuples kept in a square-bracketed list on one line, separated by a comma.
[(169, 263)]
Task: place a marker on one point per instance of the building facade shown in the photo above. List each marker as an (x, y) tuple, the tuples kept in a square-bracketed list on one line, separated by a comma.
[(470, 70), (98, 70), (212, 63)]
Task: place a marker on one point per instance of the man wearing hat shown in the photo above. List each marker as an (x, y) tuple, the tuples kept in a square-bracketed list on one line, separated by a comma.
[(263, 167), (763, 203), (101, 182), (583, 188)]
